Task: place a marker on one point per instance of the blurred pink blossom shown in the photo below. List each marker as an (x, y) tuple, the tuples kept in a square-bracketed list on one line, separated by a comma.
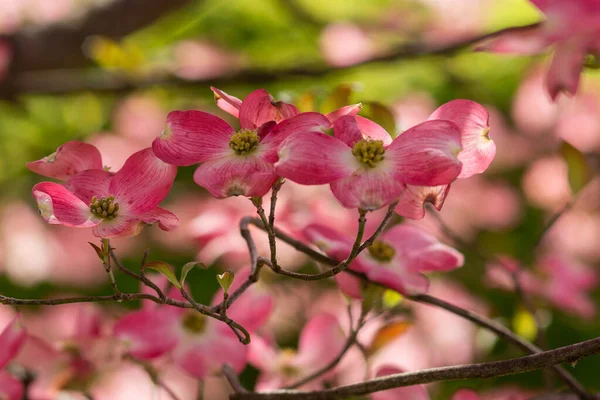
[(196, 60), (344, 44), (546, 184)]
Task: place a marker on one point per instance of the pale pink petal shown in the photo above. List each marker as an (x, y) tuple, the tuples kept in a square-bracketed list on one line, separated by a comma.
[(473, 120), (121, 226), (527, 41), (334, 244), (346, 129), (465, 394), (350, 285), (351, 110), (565, 68), (68, 160), (398, 279), (368, 189), (261, 354), (236, 176), (416, 392), (413, 199), (58, 206), (148, 333), (426, 154), (259, 107), (226, 102), (314, 158), (321, 341), (11, 340), (10, 387), (191, 137), (142, 183), (372, 130), (165, 218), (90, 183)]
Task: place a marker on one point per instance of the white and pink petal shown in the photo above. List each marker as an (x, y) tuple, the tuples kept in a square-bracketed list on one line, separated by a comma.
[(367, 189), (58, 206), (260, 107), (226, 102)]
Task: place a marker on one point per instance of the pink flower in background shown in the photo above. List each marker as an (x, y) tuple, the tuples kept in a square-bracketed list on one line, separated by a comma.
[(345, 44), (545, 183), (416, 392), (396, 259), (11, 340), (320, 342), (363, 166), (478, 151), (114, 205), (197, 60), (572, 26), (505, 393)]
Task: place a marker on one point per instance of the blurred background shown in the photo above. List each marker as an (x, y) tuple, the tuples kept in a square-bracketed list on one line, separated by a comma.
[(108, 72)]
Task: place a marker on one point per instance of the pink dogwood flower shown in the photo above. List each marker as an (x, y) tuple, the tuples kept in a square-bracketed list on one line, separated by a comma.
[(396, 259), (115, 205), (572, 26), (478, 151), (11, 341), (363, 166), (68, 160), (320, 342)]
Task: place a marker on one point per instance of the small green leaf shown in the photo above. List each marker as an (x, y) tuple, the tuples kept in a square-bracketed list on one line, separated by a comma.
[(187, 268), (225, 280), (580, 172), (524, 324), (164, 269), (391, 299), (371, 294), (381, 115)]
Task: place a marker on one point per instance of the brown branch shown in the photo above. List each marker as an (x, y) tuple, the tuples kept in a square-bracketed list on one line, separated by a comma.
[(571, 353)]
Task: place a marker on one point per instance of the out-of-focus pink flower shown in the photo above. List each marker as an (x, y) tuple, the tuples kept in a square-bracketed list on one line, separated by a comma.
[(571, 25), (465, 394), (530, 96), (396, 259), (10, 387), (320, 342), (546, 183), (115, 205), (345, 44), (505, 393), (11, 341), (478, 151), (579, 121), (363, 166), (139, 118), (416, 392), (197, 60), (232, 163)]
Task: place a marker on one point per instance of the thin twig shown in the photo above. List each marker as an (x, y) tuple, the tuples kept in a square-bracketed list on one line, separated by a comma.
[(232, 378), (140, 277)]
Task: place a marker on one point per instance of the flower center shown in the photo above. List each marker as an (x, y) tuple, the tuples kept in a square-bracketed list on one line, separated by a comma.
[(193, 322), (244, 142), (381, 251), (286, 363), (369, 152), (105, 207)]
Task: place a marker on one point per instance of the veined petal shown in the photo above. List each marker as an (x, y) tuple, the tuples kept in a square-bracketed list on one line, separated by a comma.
[(11, 340), (142, 183), (413, 199), (191, 137), (165, 218), (416, 392), (527, 41), (10, 387), (346, 129), (260, 107), (122, 226), (236, 176), (58, 206), (226, 102), (68, 160), (320, 342), (372, 130), (351, 110), (367, 189), (426, 154), (565, 69), (90, 183), (312, 158)]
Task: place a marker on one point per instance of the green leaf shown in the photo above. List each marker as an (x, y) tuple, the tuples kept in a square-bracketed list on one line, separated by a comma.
[(381, 115), (524, 325), (339, 98), (580, 172), (225, 280), (164, 269), (187, 268)]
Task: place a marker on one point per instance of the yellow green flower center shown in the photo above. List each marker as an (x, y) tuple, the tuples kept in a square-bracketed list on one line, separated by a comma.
[(193, 322), (244, 142), (105, 207), (381, 251), (286, 363), (369, 152)]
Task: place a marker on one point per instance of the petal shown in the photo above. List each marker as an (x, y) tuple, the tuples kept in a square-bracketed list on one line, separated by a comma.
[(11, 340), (191, 137), (260, 107), (473, 120), (426, 154), (236, 176), (302, 123), (227, 103), (416, 392), (527, 41), (320, 342), (261, 354), (402, 281), (58, 206), (351, 110), (368, 189), (346, 129), (413, 199), (329, 240), (565, 69), (166, 219), (372, 130), (10, 387), (90, 183), (350, 285), (466, 394), (68, 160), (312, 158), (122, 226), (142, 183), (148, 333)]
